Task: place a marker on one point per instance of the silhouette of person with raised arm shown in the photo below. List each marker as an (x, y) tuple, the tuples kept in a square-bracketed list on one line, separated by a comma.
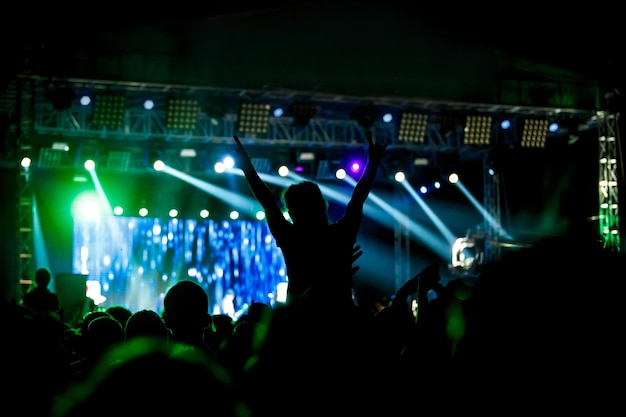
[(318, 254)]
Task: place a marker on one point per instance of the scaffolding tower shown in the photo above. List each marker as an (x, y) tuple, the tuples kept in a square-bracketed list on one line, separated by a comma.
[(608, 192)]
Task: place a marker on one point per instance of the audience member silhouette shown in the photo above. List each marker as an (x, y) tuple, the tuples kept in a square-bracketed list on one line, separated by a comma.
[(146, 323), (541, 317), (35, 363), (142, 376), (318, 254), (186, 314), (100, 334), (41, 299), (119, 313)]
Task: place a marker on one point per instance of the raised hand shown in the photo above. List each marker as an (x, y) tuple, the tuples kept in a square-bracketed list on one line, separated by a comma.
[(375, 151), (241, 155)]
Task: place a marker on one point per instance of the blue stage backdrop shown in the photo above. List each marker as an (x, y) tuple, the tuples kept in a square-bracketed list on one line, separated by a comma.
[(132, 261)]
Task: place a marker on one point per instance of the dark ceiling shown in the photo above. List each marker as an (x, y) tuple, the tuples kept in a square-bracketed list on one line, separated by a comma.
[(579, 38)]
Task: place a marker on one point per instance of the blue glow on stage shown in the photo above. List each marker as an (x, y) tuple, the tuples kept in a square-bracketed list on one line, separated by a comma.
[(135, 260)]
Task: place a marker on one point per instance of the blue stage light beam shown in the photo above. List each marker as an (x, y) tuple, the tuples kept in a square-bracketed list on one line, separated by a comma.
[(416, 231), (494, 224), (248, 204), (445, 231)]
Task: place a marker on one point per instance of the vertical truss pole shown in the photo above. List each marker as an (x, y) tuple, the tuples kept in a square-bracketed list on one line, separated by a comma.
[(491, 202), (26, 107), (608, 215), (402, 247)]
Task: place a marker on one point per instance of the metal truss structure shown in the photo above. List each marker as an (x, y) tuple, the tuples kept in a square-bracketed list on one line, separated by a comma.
[(38, 124), (608, 216)]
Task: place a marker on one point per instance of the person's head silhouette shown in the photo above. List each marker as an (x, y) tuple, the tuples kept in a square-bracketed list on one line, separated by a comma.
[(306, 204), (43, 276)]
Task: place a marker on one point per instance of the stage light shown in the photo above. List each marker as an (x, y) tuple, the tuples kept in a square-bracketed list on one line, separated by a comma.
[(219, 167), (148, 104), (305, 156), (283, 171), (118, 160), (143, 212), (365, 115), (534, 133), (182, 114), (453, 178), (228, 162), (399, 176), (302, 113), (412, 127), (387, 117), (85, 100), (158, 165), (26, 162), (234, 215), (60, 146), (173, 213), (254, 117), (477, 130), (118, 211), (90, 165), (278, 112), (204, 213), (355, 167), (505, 124), (260, 215), (108, 110), (50, 158), (62, 98), (188, 153)]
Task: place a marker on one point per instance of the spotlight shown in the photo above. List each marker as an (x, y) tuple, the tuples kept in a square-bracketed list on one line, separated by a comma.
[(302, 113), (412, 127), (118, 160), (283, 171), (399, 176), (477, 130), (62, 98), (182, 114), (158, 165), (90, 165), (148, 104), (534, 133), (254, 117), (108, 110), (365, 115)]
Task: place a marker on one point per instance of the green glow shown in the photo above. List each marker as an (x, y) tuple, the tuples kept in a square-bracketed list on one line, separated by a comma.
[(86, 204)]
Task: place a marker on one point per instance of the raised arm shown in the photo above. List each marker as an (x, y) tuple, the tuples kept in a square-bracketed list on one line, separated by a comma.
[(375, 155), (259, 188)]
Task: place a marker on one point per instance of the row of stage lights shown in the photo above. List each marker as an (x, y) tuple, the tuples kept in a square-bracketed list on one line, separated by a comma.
[(90, 208), (254, 117)]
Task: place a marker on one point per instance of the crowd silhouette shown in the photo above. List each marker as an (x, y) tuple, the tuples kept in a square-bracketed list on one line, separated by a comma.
[(538, 330)]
